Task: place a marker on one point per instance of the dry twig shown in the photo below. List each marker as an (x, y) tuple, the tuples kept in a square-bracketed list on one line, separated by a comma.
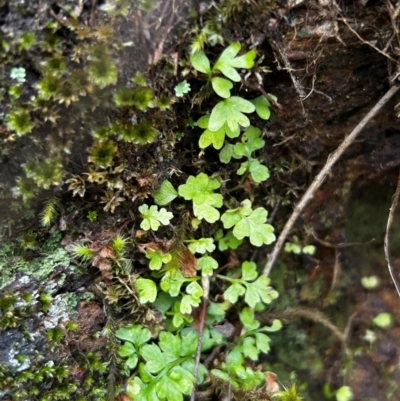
[(386, 242), (206, 289), (343, 19), (319, 179), (310, 314), (93, 14), (269, 97), (393, 15)]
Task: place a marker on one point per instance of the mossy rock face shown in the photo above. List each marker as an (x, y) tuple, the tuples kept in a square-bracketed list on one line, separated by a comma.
[(21, 271), (53, 363), (93, 125), (48, 345), (42, 359)]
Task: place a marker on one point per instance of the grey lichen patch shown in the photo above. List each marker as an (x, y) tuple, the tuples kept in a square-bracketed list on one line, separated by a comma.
[(17, 348), (7, 269), (87, 296), (59, 311), (54, 260), (16, 361), (42, 267)]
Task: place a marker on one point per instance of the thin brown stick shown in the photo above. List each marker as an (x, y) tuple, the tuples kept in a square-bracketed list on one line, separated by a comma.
[(318, 317), (337, 267), (386, 242), (269, 97), (319, 179), (93, 14), (343, 19), (205, 280), (340, 244), (312, 314)]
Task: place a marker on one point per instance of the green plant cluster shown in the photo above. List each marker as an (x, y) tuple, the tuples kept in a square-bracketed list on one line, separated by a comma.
[(184, 266), (40, 363), (229, 115), (195, 218), (166, 368)]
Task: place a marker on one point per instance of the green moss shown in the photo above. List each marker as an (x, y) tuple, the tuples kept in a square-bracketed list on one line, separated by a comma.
[(124, 97), (163, 103), (102, 154), (55, 335), (46, 172), (103, 73), (26, 41), (40, 268), (26, 188), (48, 87), (15, 91), (45, 301), (20, 121), (142, 98), (29, 240), (139, 79), (13, 309), (55, 65), (102, 133), (80, 81), (67, 94), (99, 52), (51, 42), (140, 133)]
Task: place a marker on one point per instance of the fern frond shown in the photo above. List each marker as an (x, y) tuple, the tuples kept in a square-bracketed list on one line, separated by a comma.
[(49, 211)]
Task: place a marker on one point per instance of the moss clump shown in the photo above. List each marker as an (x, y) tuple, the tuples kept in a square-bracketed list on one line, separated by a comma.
[(12, 259), (140, 133), (15, 91), (103, 73), (48, 87), (142, 98), (124, 97), (102, 154), (102, 133), (13, 310), (26, 41), (20, 121), (55, 65), (50, 42), (45, 172), (67, 94), (26, 188)]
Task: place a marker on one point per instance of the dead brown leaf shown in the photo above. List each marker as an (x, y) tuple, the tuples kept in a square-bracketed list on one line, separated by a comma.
[(272, 383), (187, 261)]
